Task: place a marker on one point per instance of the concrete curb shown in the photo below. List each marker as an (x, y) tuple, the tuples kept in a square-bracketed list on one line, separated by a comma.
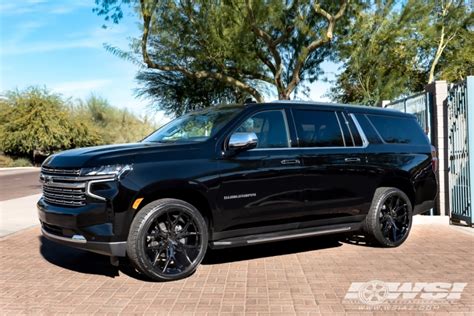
[(19, 168)]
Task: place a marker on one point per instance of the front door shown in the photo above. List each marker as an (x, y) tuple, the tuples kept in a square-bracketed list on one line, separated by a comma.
[(260, 187)]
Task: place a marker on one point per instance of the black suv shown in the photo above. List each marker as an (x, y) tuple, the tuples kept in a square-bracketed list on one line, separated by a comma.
[(241, 175)]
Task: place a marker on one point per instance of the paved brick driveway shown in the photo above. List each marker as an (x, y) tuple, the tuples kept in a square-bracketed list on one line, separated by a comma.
[(308, 276)]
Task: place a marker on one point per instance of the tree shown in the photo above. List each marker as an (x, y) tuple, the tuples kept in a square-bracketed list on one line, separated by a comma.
[(113, 125), (451, 21), (395, 48), (35, 120), (243, 46)]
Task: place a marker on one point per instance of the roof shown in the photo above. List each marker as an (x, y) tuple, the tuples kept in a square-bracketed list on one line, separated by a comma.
[(333, 106), (348, 107)]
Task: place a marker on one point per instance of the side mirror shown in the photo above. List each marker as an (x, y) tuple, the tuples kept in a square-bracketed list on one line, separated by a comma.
[(242, 141)]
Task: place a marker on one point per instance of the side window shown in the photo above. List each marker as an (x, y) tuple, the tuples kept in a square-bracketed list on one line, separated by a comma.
[(318, 128), (270, 128), (398, 130)]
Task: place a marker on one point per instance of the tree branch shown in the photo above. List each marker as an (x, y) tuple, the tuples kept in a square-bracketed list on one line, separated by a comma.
[(306, 51), (272, 44), (147, 14)]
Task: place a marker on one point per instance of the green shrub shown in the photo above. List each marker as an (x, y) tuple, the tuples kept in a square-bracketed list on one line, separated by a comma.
[(21, 162), (5, 161)]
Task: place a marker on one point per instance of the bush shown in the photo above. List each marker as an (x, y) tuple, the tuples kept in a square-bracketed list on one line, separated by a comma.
[(5, 161), (35, 120), (21, 162)]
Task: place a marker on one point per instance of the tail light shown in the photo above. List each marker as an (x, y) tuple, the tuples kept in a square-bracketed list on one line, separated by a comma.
[(434, 158)]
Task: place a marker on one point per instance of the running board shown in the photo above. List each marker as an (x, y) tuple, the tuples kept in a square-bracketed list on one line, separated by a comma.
[(284, 235)]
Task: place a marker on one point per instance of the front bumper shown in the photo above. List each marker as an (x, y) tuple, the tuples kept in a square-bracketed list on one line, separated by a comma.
[(116, 249), (90, 227)]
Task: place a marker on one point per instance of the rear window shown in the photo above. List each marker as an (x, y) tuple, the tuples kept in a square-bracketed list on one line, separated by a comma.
[(398, 130)]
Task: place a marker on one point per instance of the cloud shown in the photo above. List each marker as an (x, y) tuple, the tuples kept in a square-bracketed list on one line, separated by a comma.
[(80, 87), (95, 38)]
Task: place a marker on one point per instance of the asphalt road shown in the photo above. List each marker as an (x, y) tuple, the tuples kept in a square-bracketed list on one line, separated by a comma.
[(19, 183)]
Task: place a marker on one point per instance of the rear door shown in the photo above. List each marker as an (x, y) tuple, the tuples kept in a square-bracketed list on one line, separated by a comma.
[(333, 158)]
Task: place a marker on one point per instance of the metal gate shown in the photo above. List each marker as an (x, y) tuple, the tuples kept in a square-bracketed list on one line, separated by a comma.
[(461, 138)]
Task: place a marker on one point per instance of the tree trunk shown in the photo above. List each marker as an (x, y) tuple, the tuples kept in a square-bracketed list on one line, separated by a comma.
[(283, 95), (438, 53)]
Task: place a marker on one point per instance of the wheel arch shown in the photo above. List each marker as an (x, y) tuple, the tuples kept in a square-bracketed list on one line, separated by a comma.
[(402, 184), (190, 192)]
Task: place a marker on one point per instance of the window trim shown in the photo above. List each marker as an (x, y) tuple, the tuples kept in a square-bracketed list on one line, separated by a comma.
[(288, 135), (340, 128), (349, 129), (365, 141)]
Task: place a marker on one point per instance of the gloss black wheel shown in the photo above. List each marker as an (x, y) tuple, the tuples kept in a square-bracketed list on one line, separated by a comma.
[(394, 221), (167, 240), (390, 217)]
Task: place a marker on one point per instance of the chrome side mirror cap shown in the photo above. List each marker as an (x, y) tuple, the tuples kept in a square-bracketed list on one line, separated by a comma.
[(243, 141)]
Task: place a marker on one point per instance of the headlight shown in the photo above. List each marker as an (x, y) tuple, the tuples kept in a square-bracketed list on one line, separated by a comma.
[(112, 170)]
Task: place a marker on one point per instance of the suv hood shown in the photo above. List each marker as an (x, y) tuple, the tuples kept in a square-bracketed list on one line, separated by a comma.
[(108, 154)]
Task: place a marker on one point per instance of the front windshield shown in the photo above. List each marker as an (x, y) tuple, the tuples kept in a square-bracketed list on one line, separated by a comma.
[(194, 127)]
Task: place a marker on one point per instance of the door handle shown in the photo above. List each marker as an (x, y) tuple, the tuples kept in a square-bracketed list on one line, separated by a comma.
[(290, 162), (353, 159)]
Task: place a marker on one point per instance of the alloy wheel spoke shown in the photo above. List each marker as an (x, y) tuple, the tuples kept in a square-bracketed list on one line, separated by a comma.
[(168, 260), (157, 257), (183, 231), (176, 220)]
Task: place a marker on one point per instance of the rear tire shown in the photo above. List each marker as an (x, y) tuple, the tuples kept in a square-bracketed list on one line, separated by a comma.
[(167, 240), (389, 220)]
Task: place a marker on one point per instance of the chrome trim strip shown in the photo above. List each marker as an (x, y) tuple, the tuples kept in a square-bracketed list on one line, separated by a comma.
[(222, 243), (365, 142), (88, 188), (76, 179), (328, 231), (52, 236), (81, 185), (348, 125), (63, 202), (340, 128)]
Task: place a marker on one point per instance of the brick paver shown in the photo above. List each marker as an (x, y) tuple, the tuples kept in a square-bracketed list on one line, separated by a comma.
[(307, 276)]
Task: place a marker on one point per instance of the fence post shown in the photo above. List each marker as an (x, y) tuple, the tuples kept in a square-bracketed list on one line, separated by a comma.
[(470, 135), (439, 92)]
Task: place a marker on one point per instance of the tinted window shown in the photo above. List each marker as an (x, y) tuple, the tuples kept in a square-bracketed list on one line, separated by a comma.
[(368, 129), (398, 130), (318, 128), (270, 128)]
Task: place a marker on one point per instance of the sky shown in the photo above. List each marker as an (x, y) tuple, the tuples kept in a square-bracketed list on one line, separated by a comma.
[(60, 45)]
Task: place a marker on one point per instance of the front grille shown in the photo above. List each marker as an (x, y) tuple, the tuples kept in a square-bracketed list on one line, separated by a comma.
[(63, 187), (69, 172)]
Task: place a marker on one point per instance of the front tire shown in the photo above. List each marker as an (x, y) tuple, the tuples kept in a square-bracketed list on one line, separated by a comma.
[(389, 220), (167, 240)]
